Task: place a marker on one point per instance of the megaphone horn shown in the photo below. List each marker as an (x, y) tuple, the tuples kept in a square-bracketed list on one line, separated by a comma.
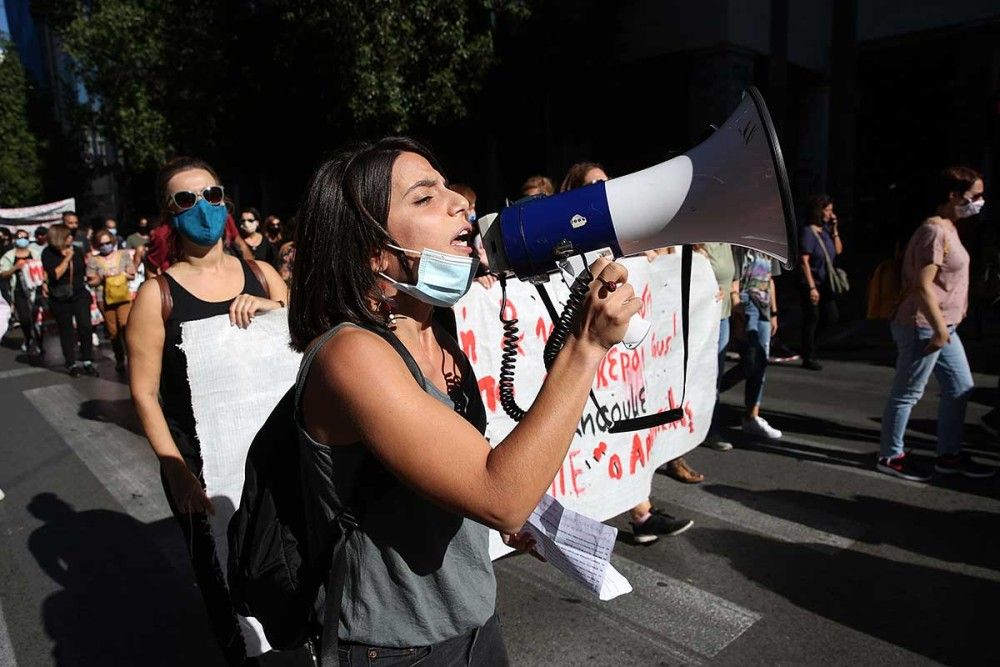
[(731, 188)]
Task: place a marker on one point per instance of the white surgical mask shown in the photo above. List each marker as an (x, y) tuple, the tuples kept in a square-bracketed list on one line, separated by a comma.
[(442, 279), (971, 208)]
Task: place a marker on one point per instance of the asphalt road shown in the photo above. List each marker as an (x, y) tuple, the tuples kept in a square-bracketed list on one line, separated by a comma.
[(800, 553)]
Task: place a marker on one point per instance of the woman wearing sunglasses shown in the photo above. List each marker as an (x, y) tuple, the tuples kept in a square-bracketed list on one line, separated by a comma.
[(202, 282)]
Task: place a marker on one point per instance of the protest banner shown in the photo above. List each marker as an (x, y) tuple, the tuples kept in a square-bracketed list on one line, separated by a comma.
[(30, 217), (233, 391), (606, 474)]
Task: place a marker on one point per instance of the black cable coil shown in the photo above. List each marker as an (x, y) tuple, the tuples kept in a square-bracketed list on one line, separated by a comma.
[(555, 343)]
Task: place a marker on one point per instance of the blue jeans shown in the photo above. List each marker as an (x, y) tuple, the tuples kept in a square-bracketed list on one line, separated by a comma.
[(913, 369), (723, 344), (758, 327)]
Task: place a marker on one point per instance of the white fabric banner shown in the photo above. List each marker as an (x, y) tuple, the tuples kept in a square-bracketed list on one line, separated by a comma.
[(30, 217), (606, 474), (237, 376)]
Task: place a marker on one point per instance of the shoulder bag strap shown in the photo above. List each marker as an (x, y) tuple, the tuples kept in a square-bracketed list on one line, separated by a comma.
[(259, 275), (166, 300), (829, 262)]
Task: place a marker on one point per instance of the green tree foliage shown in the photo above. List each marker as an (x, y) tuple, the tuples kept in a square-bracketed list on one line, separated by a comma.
[(186, 75), (20, 167), (398, 63), (149, 68)]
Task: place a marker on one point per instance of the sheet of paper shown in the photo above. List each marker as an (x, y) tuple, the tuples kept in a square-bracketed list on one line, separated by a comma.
[(578, 547), (232, 394)]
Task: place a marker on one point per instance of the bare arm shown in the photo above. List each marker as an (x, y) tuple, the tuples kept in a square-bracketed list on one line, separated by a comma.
[(806, 271), (927, 302), (245, 306), (145, 335), (437, 452), (63, 266)]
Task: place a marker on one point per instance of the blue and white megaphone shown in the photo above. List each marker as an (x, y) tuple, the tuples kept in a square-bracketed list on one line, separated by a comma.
[(731, 188)]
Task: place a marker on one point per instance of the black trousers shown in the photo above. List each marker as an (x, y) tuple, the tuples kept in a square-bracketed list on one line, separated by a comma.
[(25, 315), (815, 318), (65, 312), (482, 647), (211, 581)]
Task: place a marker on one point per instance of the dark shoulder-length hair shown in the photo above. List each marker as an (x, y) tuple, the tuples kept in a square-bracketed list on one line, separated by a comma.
[(341, 224), (814, 208)]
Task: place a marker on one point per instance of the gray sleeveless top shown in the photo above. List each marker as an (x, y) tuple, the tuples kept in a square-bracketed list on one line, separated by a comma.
[(416, 573)]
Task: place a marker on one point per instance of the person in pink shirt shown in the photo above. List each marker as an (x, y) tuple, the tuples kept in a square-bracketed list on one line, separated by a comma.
[(934, 302)]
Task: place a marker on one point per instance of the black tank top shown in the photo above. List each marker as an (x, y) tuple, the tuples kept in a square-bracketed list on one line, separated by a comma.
[(175, 392)]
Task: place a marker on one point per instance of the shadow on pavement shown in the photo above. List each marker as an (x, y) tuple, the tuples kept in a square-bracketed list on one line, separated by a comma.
[(115, 411), (121, 602), (959, 536), (796, 424), (899, 603)]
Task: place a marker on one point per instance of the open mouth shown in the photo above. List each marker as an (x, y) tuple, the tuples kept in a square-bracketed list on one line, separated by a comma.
[(463, 239)]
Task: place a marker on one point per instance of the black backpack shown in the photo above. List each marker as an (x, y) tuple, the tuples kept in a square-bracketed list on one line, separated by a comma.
[(272, 576)]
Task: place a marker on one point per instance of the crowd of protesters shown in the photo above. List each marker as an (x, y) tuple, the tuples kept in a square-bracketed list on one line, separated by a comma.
[(373, 222)]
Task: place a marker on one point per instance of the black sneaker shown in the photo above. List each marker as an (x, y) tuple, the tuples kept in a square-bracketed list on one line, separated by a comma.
[(902, 467), (75, 370), (962, 464), (811, 365), (658, 523), (90, 369)]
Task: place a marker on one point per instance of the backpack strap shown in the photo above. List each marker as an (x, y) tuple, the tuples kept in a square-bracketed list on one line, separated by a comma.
[(258, 273), (385, 334), (334, 594), (166, 299)]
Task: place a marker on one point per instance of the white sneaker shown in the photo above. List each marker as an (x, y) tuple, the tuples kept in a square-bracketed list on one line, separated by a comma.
[(759, 427), (717, 443)]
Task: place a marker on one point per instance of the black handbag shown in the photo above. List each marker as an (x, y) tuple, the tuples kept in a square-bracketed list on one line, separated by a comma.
[(64, 291)]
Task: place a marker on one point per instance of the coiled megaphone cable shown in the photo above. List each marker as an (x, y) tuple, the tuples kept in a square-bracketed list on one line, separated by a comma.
[(557, 339)]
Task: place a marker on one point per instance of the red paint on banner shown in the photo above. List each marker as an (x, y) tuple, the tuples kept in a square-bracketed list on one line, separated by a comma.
[(490, 391), (600, 450), (660, 347), (468, 341), (543, 329), (647, 302), (615, 467), (638, 455)]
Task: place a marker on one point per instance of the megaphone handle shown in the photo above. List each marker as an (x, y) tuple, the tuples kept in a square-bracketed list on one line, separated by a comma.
[(576, 265), (638, 329)]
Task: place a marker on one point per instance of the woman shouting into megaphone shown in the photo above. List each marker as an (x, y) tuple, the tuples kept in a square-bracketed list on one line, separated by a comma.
[(392, 421)]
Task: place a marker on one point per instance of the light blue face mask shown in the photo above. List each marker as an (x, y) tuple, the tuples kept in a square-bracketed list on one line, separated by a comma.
[(442, 279)]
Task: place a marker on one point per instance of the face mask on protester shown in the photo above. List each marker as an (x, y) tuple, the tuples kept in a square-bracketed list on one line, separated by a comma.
[(106, 248), (442, 279), (971, 208), (113, 231), (249, 226), (202, 224), (21, 243)]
